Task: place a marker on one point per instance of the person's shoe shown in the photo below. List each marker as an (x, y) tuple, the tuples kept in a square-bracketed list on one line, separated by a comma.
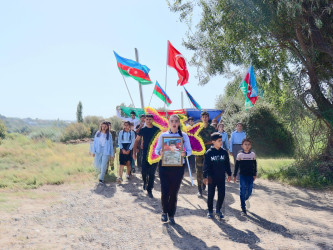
[(199, 194), (133, 170), (210, 215), (243, 213), (248, 205), (164, 217), (220, 215), (119, 180), (172, 221), (127, 177), (150, 194), (101, 182), (144, 186)]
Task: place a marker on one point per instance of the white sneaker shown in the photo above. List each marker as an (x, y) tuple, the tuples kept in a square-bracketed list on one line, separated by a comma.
[(127, 177), (247, 203)]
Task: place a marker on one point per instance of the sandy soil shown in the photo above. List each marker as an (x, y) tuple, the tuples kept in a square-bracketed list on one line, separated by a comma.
[(90, 216)]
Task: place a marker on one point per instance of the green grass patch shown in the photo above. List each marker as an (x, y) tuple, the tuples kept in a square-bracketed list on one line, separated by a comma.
[(26, 163), (308, 174)]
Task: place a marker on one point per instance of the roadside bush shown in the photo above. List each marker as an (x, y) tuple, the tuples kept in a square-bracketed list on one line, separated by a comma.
[(270, 136), (75, 131), (3, 130)]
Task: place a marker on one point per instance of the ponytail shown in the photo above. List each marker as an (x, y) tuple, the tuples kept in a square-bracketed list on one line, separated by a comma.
[(180, 131)]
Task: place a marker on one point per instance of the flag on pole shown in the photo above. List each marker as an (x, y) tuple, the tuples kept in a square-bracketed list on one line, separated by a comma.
[(249, 88), (195, 104), (133, 69), (177, 61), (159, 92)]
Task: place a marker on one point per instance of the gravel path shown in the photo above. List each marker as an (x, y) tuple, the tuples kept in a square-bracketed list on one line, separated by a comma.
[(89, 216)]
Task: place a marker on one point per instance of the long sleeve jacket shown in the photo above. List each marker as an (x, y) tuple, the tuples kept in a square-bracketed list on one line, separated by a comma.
[(216, 164)]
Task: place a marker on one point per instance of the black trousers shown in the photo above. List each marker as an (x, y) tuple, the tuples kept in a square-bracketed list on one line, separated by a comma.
[(170, 178), (148, 173), (220, 184)]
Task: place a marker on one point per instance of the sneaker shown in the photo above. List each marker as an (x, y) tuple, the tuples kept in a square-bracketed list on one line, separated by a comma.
[(220, 215), (243, 213), (119, 180), (172, 221), (210, 215), (144, 186), (101, 182), (127, 177), (150, 195), (248, 205), (164, 217), (133, 170), (199, 194)]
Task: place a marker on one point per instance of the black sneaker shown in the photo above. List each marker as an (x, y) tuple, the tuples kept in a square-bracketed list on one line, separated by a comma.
[(243, 213), (164, 217), (150, 194), (172, 221)]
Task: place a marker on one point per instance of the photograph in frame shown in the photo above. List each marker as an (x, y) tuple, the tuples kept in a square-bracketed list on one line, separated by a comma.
[(172, 148)]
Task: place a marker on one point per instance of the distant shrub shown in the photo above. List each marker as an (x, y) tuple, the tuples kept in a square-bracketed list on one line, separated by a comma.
[(93, 123), (53, 134), (270, 136), (3, 130), (75, 131)]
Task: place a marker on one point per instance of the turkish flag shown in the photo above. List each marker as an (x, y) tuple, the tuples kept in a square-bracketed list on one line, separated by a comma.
[(177, 61)]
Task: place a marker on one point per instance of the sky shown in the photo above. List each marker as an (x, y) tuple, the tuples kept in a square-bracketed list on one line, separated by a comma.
[(54, 54)]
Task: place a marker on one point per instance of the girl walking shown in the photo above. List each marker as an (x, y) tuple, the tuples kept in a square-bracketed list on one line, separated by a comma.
[(102, 149), (126, 140), (171, 176)]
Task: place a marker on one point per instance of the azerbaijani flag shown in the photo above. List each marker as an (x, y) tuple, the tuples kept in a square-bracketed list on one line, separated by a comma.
[(159, 92), (133, 69), (195, 104), (249, 89)]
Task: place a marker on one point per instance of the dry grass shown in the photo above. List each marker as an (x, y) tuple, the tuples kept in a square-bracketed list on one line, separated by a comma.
[(26, 164)]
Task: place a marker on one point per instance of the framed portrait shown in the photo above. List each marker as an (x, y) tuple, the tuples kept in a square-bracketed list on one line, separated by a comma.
[(172, 150)]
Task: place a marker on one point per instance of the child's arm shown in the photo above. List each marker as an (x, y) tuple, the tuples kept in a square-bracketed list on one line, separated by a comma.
[(228, 169), (237, 166), (206, 169), (255, 169)]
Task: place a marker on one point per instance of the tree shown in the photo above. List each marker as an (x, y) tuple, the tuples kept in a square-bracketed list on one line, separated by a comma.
[(289, 43), (79, 117)]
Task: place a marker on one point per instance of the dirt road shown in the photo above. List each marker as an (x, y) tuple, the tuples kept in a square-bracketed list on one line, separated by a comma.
[(113, 216)]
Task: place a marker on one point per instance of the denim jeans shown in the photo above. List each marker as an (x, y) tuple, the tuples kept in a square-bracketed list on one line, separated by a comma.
[(245, 188), (101, 163)]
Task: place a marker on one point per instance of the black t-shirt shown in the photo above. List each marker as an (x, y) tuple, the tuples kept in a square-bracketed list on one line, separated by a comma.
[(147, 135)]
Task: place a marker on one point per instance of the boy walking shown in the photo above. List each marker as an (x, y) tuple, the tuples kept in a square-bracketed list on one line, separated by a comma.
[(216, 164), (247, 164), (205, 133)]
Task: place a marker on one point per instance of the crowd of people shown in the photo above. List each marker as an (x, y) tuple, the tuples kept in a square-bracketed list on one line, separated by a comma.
[(212, 169)]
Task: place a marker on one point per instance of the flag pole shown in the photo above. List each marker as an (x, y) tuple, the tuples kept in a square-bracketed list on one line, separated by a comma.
[(140, 87), (152, 95), (166, 76), (128, 90), (182, 100)]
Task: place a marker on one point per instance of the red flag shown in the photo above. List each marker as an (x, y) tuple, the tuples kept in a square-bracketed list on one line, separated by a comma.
[(177, 61)]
